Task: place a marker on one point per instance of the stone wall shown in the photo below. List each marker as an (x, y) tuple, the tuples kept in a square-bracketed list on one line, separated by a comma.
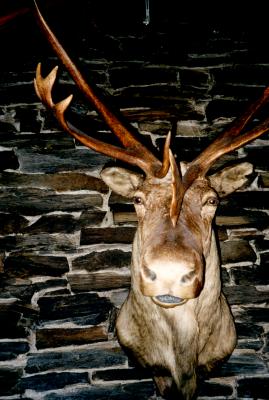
[(65, 241)]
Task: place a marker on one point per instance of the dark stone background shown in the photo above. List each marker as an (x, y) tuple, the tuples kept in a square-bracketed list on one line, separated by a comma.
[(65, 240)]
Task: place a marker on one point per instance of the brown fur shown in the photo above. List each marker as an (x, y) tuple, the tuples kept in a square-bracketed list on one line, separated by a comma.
[(175, 341)]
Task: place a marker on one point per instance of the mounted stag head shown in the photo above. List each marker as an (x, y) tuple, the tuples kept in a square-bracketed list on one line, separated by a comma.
[(176, 317)]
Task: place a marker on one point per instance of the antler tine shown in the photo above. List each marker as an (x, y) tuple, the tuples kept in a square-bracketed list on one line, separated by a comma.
[(228, 141), (135, 152), (44, 87), (177, 190), (166, 158)]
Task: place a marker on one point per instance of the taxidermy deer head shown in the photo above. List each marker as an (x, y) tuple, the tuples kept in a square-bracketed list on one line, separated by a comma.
[(176, 317)]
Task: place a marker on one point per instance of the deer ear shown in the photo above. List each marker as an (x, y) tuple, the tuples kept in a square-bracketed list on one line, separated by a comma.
[(231, 178), (122, 181)]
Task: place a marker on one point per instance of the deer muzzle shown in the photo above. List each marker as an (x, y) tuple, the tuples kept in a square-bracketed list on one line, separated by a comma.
[(171, 284)]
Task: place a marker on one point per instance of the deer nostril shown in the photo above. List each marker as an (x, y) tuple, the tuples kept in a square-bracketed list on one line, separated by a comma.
[(149, 273), (188, 277)]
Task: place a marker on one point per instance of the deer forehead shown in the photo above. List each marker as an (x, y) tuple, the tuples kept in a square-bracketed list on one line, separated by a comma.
[(160, 194), (155, 193), (199, 191), (159, 235)]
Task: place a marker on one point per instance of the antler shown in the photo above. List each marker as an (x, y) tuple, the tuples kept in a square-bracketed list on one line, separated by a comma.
[(12, 15), (228, 141), (134, 153), (177, 190)]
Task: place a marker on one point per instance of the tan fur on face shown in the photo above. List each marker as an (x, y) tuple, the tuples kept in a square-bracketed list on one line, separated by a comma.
[(174, 255), (176, 261)]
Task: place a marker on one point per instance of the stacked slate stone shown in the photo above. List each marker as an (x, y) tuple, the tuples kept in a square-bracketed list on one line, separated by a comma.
[(65, 244)]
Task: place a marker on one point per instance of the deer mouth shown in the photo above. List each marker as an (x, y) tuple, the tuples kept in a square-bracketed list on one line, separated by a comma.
[(168, 301)]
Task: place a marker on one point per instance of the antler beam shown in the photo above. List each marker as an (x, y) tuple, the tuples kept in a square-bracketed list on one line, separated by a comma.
[(135, 152), (228, 141)]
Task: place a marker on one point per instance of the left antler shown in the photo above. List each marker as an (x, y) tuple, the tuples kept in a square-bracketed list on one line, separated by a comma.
[(134, 152), (12, 15)]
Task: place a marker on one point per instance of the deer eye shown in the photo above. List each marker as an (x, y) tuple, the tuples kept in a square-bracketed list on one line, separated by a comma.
[(138, 200), (212, 201)]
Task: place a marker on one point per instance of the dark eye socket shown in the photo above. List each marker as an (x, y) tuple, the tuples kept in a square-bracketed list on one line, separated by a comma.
[(138, 200), (212, 201)]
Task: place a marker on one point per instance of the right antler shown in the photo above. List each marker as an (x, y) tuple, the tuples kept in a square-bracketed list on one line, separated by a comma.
[(134, 153), (228, 141)]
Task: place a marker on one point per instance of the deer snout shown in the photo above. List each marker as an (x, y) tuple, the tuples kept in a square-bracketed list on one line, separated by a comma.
[(186, 278), (168, 281)]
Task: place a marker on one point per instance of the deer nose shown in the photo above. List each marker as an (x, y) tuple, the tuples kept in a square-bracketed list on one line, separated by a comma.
[(167, 278), (151, 275), (187, 278)]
